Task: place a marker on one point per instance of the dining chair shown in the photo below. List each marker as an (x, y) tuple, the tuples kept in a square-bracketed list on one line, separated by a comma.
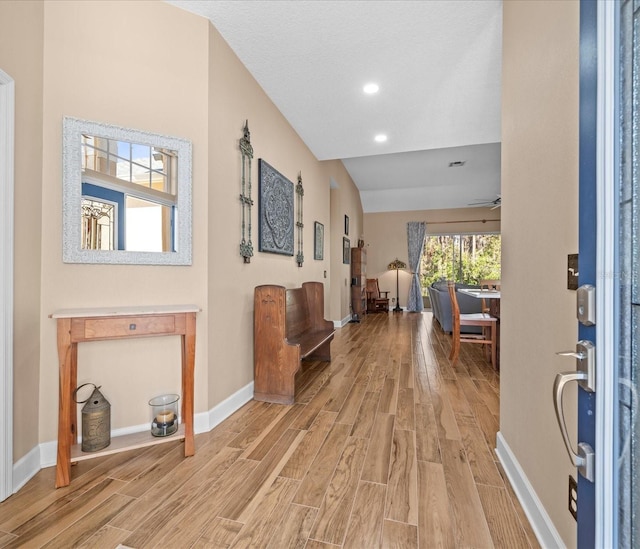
[(487, 322), (488, 285)]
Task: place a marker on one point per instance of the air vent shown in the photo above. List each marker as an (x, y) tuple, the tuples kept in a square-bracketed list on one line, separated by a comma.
[(457, 163)]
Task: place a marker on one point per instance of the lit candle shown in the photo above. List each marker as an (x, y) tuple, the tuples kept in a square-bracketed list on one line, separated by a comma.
[(166, 416)]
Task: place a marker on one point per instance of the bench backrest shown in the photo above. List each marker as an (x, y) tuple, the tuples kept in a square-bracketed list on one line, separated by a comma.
[(280, 313), (298, 320)]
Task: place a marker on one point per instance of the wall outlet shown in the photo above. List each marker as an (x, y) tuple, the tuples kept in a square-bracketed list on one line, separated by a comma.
[(573, 497)]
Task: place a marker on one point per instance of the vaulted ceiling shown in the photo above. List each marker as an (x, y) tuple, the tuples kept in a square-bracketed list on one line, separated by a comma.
[(438, 68)]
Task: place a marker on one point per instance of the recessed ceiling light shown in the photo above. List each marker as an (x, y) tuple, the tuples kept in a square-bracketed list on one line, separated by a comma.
[(371, 88), (380, 138), (457, 163)]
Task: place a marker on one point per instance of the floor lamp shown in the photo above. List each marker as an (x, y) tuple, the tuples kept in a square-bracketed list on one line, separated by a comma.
[(396, 265)]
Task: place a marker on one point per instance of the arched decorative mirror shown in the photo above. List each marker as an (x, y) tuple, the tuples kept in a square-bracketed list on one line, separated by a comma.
[(126, 195)]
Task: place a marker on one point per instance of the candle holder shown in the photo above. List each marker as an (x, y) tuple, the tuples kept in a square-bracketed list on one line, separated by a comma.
[(164, 415)]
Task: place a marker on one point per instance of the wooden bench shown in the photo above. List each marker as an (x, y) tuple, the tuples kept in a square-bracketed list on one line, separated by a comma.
[(289, 325)]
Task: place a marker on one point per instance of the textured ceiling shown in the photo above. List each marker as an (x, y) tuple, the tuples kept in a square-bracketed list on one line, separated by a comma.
[(438, 67)]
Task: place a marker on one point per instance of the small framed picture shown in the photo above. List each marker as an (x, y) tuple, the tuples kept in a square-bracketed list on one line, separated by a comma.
[(318, 241), (346, 225), (346, 250)]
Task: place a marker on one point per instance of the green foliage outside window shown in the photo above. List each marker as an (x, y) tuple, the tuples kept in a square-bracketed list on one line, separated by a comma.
[(463, 258)]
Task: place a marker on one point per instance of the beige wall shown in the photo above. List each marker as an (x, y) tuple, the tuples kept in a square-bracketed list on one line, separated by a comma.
[(386, 239), (149, 66), (126, 66), (234, 98), (539, 230), (21, 26), (345, 200)]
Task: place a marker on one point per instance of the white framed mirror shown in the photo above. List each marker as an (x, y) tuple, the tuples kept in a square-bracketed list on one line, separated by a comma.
[(126, 195)]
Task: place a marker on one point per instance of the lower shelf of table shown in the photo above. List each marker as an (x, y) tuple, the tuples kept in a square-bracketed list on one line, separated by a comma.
[(126, 442)]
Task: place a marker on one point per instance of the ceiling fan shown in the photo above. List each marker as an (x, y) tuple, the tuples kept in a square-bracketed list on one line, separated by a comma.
[(495, 203)]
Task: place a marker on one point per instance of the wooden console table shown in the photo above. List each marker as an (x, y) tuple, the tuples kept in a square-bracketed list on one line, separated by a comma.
[(82, 325)]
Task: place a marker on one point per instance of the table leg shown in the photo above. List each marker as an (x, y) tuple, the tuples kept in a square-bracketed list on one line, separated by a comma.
[(66, 354), (494, 310), (188, 368)]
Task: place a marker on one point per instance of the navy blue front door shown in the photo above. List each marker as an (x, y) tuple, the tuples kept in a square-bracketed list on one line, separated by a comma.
[(587, 246)]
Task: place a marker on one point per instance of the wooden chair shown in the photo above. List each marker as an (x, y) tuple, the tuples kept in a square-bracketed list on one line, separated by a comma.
[(375, 302), (488, 285), (485, 321)]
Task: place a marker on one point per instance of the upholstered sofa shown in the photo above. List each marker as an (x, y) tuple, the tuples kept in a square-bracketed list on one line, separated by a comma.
[(441, 305)]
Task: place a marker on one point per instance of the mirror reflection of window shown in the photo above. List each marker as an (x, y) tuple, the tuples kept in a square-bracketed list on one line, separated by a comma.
[(149, 226), (142, 182), (151, 167), (98, 227)]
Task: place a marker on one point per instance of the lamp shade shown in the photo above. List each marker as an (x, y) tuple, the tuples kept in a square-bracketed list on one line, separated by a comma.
[(396, 264)]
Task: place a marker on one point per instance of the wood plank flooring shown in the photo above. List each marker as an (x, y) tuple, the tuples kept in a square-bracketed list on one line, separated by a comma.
[(386, 446)]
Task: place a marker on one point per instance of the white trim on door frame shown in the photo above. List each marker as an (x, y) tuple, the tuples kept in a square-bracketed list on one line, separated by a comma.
[(7, 102), (606, 507)]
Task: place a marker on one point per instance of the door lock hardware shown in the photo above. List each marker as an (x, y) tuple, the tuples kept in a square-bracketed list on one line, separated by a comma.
[(584, 458), (586, 304)]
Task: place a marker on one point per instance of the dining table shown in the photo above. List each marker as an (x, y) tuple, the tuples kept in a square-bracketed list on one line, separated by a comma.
[(492, 295), (481, 293), (493, 298)]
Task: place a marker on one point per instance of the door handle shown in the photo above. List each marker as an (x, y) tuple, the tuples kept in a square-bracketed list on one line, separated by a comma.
[(584, 458), (585, 355)]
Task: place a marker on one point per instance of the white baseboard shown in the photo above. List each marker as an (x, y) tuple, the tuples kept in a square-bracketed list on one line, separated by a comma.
[(342, 323), (27, 466), (48, 454), (540, 521), (222, 411), (45, 454)]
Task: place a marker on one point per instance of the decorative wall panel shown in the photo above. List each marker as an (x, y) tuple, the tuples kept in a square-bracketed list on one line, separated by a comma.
[(276, 211)]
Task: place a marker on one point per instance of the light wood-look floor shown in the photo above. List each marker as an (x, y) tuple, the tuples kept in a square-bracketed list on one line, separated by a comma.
[(386, 446)]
